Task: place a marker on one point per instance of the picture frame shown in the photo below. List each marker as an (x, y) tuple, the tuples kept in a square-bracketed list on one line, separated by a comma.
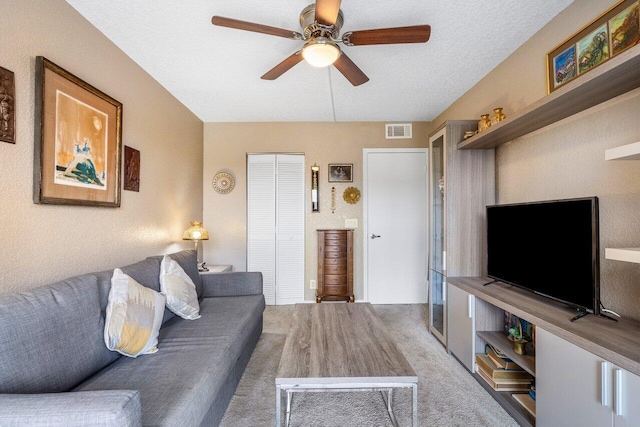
[(340, 172), (78, 140), (131, 169), (7, 106), (610, 34)]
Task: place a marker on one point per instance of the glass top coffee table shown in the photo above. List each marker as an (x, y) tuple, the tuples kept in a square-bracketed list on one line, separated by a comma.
[(338, 348)]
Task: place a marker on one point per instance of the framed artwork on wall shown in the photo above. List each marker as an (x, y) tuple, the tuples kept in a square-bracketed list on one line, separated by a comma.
[(77, 140), (340, 172), (131, 169), (7, 106), (613, 32)]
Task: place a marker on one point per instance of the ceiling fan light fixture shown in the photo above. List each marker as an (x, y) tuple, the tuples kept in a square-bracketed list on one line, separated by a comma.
[(320, 52)]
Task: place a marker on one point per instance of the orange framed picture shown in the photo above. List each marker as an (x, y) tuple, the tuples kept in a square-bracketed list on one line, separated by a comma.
[(77, 140)]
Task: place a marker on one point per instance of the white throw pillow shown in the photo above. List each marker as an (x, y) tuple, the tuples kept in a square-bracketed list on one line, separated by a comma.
[(179, 290), (134, 316)]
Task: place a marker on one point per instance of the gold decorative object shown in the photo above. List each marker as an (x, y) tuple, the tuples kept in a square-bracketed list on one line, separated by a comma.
[(351, 195), (223, 182), (498, 116), (468, 134), (484, 122)]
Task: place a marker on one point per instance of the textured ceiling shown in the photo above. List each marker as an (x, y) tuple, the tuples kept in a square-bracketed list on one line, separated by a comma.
[(216, 71)]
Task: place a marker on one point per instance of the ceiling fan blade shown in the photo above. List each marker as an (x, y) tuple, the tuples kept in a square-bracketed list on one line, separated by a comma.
[(283, 67), (327, 11), (413, 34), (257, 28), (350, 70)]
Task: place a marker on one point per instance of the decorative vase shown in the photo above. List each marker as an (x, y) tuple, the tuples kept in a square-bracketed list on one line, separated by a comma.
[(484, 122), (498, 116), (518, 347)]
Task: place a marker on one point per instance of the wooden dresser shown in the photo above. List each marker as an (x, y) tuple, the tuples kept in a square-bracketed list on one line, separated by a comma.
[(335, 265)]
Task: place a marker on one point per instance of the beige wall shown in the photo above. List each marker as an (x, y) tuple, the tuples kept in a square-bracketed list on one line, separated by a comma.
[(43, 243), (225, 148), (567, 159)]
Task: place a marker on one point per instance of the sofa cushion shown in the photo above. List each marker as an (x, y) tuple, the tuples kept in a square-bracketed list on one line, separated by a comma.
[(51, 338), (134, 316), (179, 383)]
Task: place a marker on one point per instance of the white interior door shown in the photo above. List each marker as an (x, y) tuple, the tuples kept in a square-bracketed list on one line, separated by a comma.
[(396, 226)]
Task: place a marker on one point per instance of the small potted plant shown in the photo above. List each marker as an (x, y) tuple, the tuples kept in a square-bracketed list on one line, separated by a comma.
[(516, 335)]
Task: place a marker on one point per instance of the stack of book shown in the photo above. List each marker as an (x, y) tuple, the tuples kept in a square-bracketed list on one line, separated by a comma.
[(502, 374)]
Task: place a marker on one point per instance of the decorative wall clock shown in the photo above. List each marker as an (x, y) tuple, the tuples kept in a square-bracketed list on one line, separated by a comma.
[(223, 182)]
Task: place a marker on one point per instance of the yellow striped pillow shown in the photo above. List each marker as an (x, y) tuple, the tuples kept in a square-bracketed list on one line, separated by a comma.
[(133, 318)]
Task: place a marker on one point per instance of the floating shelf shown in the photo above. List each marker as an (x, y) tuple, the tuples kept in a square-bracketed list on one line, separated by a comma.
[(623, 254), (625, 152), (618, 75)]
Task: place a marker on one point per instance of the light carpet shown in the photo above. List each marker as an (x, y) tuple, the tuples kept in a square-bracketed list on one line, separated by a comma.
[(447, 394)]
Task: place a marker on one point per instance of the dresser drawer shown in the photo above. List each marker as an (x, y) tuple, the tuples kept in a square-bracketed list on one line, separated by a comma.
[(336, 248), (334, 255), (334, 262), (341, 235), (335, 269), (335, 290), (335, 279)]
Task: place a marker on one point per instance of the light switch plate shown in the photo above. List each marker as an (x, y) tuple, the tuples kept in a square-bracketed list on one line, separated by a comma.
[(351, 223), (313, 284)]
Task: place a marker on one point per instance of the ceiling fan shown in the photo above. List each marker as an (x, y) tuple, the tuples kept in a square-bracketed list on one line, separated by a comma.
[(321, 23)]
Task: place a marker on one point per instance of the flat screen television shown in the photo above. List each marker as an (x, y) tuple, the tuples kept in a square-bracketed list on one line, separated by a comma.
[(550, 248)]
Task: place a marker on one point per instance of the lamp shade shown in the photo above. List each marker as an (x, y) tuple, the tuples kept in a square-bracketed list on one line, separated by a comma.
[(195, 232), (320, 52)]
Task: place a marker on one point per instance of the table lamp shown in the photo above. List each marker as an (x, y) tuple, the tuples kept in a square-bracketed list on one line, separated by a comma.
[(196, 233)]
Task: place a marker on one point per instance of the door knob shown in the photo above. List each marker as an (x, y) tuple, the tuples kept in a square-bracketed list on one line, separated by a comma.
[(375, 236)]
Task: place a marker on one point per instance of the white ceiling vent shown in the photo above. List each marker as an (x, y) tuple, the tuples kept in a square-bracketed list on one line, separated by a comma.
[(399, 131)]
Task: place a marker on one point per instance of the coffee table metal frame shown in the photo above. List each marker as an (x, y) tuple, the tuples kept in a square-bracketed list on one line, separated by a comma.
[(332, 385)]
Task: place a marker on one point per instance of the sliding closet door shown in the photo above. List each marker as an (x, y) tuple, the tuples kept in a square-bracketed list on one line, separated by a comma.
[(290, 229), (275, 224), (261, 221)]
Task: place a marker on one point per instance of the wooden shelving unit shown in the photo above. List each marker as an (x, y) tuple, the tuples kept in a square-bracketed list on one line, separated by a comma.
[(623, 254), (509, 404), (500, 341), (625, 152), (619, 75)]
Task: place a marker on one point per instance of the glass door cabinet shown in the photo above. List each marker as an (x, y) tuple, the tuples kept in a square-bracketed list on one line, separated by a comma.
[(437, 289), (461, 185)]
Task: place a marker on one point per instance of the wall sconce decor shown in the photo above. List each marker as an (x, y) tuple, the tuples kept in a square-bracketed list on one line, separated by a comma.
[(315, 203)]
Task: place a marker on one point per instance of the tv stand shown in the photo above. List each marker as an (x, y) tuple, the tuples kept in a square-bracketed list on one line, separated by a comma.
[(568, 355), (491, 282)]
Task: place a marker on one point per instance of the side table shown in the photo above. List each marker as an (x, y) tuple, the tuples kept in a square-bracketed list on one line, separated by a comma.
[(215, 269)]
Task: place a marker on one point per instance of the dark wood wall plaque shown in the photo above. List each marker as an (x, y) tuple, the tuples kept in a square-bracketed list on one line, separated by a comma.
[(131, 169), (7, 106)]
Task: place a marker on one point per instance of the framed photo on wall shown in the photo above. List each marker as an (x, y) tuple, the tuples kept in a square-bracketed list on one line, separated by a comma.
[(613, 32), (77, 140), (341, 172)]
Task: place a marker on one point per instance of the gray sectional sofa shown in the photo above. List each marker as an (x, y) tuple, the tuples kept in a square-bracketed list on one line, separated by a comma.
[(55, 369)]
